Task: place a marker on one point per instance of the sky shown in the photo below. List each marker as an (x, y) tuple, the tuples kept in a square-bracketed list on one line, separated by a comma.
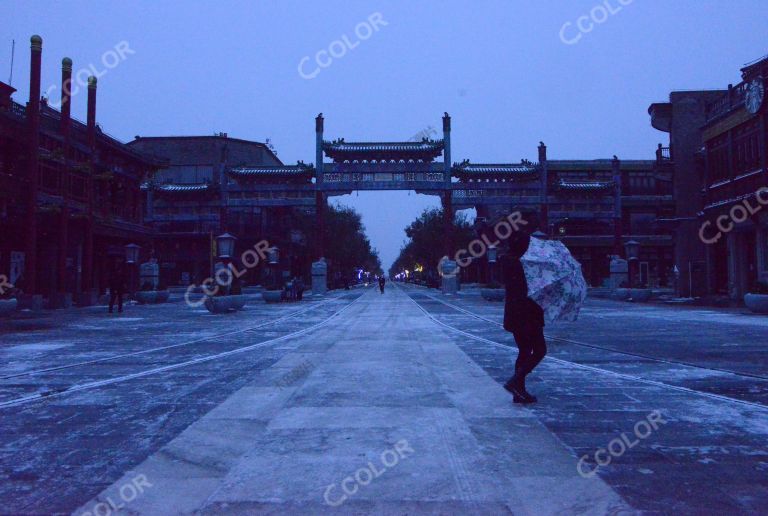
[(577, 74)]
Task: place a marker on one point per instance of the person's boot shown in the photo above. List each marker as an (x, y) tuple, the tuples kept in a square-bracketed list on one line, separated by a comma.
[(528, 395), (516, 385)]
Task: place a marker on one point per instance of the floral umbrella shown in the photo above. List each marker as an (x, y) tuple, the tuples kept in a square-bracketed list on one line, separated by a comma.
[(555, 280)]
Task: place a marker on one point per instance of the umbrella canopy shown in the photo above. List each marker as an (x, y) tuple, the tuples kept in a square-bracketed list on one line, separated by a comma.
[(555, 280)]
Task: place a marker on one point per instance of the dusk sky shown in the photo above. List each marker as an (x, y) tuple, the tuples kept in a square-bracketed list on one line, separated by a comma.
[(510, 73)]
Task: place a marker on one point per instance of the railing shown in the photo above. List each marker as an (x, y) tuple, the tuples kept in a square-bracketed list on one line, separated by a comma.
[(18, 110), (732, 99), (663, 154)]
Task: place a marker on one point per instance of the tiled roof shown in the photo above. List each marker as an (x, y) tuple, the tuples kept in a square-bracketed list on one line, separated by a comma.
[(192, 187), (279, 170), (490, 168), (354, 147), (585, 185)]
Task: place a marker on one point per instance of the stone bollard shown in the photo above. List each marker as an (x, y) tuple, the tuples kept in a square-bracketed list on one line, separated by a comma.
[(450, 276), (319, 277)]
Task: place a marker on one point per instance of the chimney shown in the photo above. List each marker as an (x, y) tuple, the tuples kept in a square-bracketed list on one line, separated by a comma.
[(542, 152), (91, 117), (34, 74), (66, 95), (33, 125)]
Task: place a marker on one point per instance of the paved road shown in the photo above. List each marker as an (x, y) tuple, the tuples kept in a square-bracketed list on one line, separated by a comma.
[(58, 452), (710, 458), (380, 404)]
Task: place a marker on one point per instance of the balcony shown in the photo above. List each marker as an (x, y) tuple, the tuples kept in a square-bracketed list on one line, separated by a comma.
[(663, 155), (732, 99), (661, 116)]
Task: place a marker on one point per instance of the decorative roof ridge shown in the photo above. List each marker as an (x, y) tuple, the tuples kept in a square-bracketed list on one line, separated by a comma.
[(300, 165), (585, 182), (410, 143), (522, 163)]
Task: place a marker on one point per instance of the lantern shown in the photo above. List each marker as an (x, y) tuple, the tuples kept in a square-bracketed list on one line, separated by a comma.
[(132, 253), (226, 245), (273, 255), (632, 249), (493, 254)]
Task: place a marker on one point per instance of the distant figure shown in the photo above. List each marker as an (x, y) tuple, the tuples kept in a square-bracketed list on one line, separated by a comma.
[(116, 285), (382, 281), (299, 285), (523, 317)]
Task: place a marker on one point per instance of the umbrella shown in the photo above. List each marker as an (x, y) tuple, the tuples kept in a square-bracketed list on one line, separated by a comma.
[(555, 280)]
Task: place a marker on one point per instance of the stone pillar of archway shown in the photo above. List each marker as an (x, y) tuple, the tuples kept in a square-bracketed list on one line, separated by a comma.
[(448, 223), (320, 209), (449, 271)]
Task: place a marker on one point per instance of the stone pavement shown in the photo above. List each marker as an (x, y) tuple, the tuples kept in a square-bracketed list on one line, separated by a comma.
[(378, 412)]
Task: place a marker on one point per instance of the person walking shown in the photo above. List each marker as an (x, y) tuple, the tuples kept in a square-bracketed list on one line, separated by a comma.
[(523, 317), (382, 281), (116, 285)]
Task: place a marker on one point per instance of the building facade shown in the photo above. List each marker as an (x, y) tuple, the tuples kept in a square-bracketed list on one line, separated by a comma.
[(69, 194), (593, 206), (217, 184), (718, 139)]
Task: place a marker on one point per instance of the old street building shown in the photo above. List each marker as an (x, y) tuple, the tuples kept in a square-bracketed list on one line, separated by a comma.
[(217, 184), (69, 194), (593, 206), (718, 140)]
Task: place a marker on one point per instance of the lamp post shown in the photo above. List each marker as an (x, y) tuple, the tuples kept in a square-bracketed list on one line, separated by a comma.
[(132, 259), (632, 248), (273, 259), (225, 247), (493, 254)]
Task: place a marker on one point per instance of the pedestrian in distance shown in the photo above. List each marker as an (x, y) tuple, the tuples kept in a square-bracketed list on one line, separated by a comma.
[(116, 285), (382, 281), (523, 317)]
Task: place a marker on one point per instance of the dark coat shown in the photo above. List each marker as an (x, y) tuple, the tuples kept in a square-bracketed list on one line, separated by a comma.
[(520, 311), (116, 278)]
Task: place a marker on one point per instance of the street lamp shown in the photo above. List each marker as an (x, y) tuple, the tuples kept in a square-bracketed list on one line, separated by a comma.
[(632, 248), (493, 255), (132, 253), (273, 255), (225, 244)]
